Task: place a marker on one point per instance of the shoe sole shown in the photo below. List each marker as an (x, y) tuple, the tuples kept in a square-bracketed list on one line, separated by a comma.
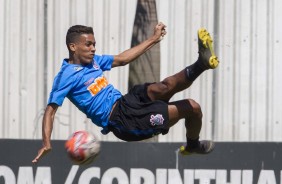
[(184, 152), (206, 40)]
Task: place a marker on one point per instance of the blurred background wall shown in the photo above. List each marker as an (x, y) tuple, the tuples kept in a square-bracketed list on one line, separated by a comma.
[(241, 99)]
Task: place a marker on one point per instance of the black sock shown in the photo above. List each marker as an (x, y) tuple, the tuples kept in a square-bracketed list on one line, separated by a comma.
[(193, 71), (192, 143)]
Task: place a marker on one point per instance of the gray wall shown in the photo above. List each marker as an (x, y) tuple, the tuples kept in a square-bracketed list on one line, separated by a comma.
[(240, 99), (143, 163)]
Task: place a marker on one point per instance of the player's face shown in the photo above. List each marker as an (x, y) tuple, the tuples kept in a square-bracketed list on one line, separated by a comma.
[(85, 49)]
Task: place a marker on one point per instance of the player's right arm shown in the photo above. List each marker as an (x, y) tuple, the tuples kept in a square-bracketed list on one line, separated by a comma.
[(47, 127)]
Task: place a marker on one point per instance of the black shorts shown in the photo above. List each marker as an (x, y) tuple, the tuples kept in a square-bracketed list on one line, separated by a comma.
[(135, 117)]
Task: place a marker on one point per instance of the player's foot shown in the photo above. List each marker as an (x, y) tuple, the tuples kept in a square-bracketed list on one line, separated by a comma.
[(206, 52), (204, 147)]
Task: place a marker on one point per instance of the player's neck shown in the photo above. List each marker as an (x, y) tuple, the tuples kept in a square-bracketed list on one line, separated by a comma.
[(73, 60)]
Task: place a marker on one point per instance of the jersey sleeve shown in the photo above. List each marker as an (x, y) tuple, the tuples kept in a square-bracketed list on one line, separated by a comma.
[(105, 61), (61, 86)]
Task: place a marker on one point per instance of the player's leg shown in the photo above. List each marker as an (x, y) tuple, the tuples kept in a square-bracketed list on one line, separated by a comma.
[(165, 89), (191, 111)]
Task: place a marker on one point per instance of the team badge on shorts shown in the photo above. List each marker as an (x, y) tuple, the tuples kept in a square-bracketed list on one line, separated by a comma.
[(157, 120)]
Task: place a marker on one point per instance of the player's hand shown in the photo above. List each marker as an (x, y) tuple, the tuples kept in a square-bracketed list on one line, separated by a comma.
[(43, 151), (160, 31)]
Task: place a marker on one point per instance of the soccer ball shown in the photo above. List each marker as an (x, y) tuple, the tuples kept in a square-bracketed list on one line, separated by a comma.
[(82, 147)]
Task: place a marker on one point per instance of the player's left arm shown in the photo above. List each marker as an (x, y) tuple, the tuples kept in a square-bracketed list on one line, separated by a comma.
[(134, 52)]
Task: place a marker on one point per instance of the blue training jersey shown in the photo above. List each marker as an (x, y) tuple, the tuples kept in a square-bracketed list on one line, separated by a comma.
[(87, 88)]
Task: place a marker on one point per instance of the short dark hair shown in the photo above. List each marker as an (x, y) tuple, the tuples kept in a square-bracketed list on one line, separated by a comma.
[(75, 31)]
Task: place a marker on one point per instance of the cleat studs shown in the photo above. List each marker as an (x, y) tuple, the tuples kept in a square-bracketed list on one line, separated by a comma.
[(182, 148), (213, 62), (183, 151)]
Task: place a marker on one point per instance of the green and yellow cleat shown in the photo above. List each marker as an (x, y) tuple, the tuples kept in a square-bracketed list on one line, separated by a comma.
[(206, 52), (204, 147)]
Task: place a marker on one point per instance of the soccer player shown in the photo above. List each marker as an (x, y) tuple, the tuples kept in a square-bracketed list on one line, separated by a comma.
[(145, 111)]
